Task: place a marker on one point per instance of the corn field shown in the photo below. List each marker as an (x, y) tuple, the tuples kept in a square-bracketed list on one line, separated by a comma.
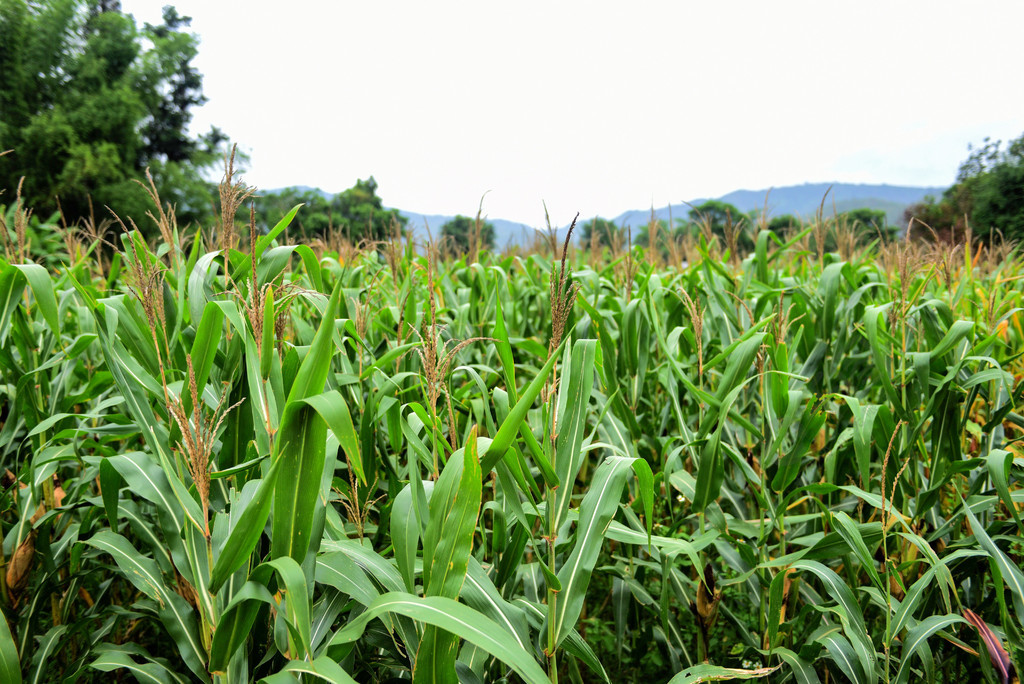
[(244, 460)]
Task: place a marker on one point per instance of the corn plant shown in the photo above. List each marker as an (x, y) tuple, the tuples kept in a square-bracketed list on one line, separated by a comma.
[(235, 459)]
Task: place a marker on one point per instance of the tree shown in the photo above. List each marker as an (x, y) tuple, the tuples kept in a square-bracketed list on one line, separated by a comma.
[(718, 215), (725, 220), (357, 212), (996, 190), (90, 101), (605, 230), (785, 223), (989, 194), (360, 212), (873, 219), (642, 237), (315, 217), (459, 231)]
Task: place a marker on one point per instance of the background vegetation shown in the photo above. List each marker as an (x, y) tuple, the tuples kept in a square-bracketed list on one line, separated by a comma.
[(89, 101), (987, 199)]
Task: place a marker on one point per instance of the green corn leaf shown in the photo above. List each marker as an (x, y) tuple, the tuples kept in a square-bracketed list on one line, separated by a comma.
[(247, 531), (713, 673), (297, 608), (503, 346), (775, 594), (12, 286), (447, 543), (267, 351), (147, 672), (863, 428), (405, 534), (596, 511), (850, 613), (710, 473), (872, 317), (263, 242), (48, 644), (333, 409), (1012, 574), (137, 569), (300, 445), (338, 570), (841, 651), (454, 506), (803, 671), (110, 484), (453, 617), (513, 423), (10, 666), (957, 332), (204, 347), (322, 668), (572, 423), (917, 638), (341, 572), (790, 462), (236, 622), (847, 529), (177, 616), (739, 365), (573, 644), (146, 479), (479, 593), (39, 280), (999, 461)]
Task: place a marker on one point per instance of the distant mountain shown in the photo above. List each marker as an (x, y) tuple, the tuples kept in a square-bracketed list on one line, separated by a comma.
[(800, 200), (297, 189), (803, 201), (506, 233)]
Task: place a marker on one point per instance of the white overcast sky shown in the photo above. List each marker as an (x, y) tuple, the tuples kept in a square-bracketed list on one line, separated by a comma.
[(601, 107)]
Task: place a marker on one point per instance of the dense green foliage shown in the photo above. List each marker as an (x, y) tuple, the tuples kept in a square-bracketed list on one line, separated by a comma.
[(357, 213), (988, 197), (603, 231), (872, 219), (784, 224), (223, 466), (463, 233), (88, 102)]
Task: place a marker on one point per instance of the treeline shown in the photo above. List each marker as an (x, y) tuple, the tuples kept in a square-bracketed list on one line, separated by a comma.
[(90, 102), (987, 200), (357, 214), (736, 228)]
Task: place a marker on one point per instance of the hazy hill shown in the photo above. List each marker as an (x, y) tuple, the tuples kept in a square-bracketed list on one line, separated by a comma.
[(799, 200), (803, 201), (505, 232)]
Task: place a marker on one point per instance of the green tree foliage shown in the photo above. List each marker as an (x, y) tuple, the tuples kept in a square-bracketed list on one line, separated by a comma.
[(723, 220), (642, 237), (90, 101), (362, 215), (357, 212), (459, 231), (989, 193), (718, 215), (606, 232), (783, 224), (873, 219), (994, 181), (316, 217)]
